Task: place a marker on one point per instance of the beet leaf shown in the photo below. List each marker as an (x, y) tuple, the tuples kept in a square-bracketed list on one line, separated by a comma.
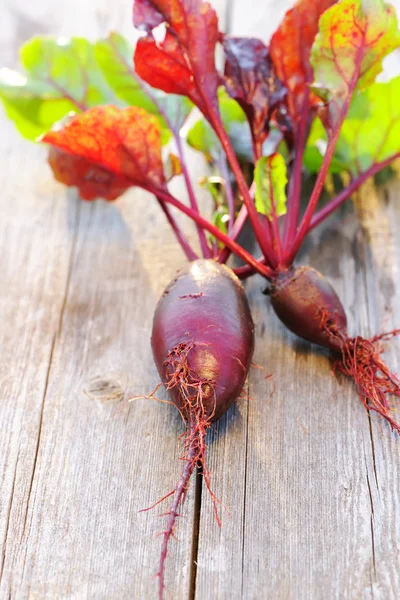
[(271, 179), (290, 52), (64, 75), (353, 39), (370, 133), (251, 80), (92, 180), (184, 61), (60, 75), (125, 141)]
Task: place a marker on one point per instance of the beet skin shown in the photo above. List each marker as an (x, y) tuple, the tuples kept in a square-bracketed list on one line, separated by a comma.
[(302, 299), (205, 310)]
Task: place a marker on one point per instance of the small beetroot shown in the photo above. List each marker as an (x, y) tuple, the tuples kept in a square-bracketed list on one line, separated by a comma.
[(308, 305)]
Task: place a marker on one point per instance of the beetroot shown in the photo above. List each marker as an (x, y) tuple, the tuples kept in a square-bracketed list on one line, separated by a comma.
[(202, 341), (299, 297), (308, 305)]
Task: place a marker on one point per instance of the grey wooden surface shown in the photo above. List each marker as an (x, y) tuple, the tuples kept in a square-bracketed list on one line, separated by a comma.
[(311, 481)]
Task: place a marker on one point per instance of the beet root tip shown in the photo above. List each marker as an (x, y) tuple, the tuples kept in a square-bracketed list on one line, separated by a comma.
[(197, 410), (361, 361)]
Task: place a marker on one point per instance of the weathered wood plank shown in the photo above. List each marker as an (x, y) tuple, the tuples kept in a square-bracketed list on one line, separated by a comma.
[(36, 248), (79, 286), (311, 482)]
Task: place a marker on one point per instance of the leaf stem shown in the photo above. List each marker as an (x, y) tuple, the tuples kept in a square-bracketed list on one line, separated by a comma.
[(333, 204), (180, 236), (264, 270), (290, 254), (294, 194), (247, 270), (234, 234), (207, 253), (230, 200), (262, 238)]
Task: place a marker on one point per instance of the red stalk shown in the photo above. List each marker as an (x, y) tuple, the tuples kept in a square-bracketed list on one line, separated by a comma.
[(290, 254), (247, 270), (322, 214), (264, 270), (295, 179), (259, 232), (180, 236), (192, 198), (230, 200), (312, 204), (207, 253)]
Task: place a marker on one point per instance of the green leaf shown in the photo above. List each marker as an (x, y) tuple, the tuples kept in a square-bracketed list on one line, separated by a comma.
[(202, 138), (354, 37), (214, 184), (220, 219), (315, 150), (61, 75), (369, 134), (114, 57), (71, 75), (271, 178)]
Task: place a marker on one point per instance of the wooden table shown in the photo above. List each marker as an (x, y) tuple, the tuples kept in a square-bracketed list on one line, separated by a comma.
[(312, 481)]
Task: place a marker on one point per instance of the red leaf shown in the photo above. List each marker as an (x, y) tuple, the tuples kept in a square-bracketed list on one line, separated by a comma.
[(125, 141), (290, 51), (183, 63), (250, 78), (91, 180), (155, 63)]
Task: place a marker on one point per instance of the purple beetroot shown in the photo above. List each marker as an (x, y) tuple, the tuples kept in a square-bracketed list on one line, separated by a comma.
[(307, 304), (203, 342)]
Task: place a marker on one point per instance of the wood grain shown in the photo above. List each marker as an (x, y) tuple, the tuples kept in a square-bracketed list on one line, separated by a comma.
[(311, 481)]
